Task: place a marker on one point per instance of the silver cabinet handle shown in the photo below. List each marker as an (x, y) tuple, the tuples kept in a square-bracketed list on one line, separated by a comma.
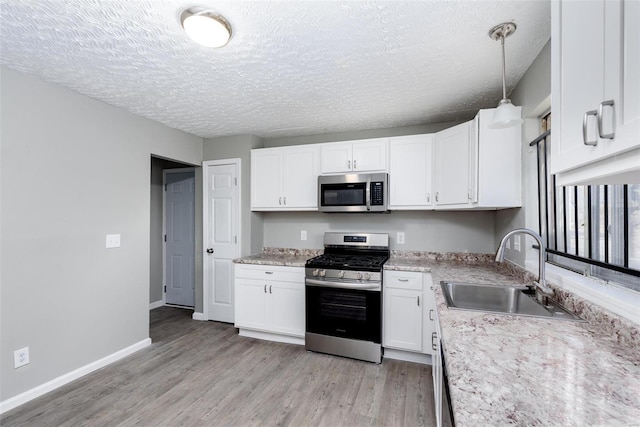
[(585, 120), (418, 300), (431, 314), (280, 201), (433, 341), (268, 272), (603, 104), (265, 289), (428, 197), (285, 201), (349, 164), (270, 286), (354, 165), (437, 196), (403, 280)]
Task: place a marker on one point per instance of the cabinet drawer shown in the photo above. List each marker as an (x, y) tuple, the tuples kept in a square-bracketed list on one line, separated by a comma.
[(403, 280), (270, 272)]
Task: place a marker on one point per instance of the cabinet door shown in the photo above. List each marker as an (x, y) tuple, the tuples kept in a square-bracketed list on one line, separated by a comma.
[(577, 80), (370, 156), (336, 157), (286, 308), (622, 73), (452, 165), (429, 339), (410, 166), (300, 177), (402, 319), (251, 304), (266, 179)]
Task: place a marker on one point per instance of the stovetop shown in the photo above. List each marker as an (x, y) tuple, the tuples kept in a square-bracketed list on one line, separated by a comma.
[(348, 262)]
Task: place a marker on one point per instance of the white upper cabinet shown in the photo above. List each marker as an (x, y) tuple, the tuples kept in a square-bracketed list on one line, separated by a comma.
[(368, 155), (285, 178), (476, 167), (411, 170), (453, 165), (595, 82)]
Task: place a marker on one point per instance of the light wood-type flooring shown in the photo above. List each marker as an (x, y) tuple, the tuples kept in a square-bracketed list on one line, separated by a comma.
[(203, 374)]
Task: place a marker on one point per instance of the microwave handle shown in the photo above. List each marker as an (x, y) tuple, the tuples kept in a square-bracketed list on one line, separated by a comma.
[(368, 194)]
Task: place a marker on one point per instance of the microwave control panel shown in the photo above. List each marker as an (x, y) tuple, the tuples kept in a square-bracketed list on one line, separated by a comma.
[(377, 193)]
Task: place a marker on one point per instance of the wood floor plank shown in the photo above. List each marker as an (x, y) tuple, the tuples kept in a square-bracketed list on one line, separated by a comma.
[(203, 374)]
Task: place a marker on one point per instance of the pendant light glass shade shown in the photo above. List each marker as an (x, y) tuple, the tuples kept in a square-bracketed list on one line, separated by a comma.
[(506, 115), (206, 27)]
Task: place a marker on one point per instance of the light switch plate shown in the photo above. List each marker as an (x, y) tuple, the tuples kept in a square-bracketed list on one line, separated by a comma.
[(400, 238), (303, 234), (113, 241)]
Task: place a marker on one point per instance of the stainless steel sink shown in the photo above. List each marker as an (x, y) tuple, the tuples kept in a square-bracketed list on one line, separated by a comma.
[(516, 300)]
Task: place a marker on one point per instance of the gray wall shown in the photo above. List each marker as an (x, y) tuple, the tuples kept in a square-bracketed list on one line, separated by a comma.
[(233, 147), (363, 134), (73, 170), (533, 94), (424, 230)]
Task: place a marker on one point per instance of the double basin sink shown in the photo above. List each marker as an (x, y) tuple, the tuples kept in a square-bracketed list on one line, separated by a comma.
[(517, 300)]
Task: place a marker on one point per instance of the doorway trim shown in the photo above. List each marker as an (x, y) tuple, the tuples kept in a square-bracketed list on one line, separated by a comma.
[(164, 233), (205, 228)]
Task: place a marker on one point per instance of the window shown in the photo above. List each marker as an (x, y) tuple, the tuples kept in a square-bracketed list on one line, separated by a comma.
[(593, 229)]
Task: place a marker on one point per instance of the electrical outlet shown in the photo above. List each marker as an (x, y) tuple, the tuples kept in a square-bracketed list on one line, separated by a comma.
[(400, 238), (21, 357), (113, 241), (303, 234), (516, 243)]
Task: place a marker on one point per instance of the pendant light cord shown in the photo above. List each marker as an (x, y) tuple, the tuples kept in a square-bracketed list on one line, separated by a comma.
[(504, 79)]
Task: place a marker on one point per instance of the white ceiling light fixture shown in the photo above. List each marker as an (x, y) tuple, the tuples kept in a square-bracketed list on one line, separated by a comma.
[(506, 115), (206, 27)]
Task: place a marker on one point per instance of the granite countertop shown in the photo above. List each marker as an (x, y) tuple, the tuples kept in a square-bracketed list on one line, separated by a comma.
[(277, 256), (506, 369)]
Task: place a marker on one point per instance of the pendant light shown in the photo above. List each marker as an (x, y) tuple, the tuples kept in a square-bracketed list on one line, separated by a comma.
[(205, 27), (506, 115)]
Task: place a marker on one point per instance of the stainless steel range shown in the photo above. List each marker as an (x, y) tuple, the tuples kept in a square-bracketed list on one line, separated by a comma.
[(344, 296)]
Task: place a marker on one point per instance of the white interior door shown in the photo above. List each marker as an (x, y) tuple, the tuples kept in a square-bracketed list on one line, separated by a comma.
[(179, 237), (221, 224)]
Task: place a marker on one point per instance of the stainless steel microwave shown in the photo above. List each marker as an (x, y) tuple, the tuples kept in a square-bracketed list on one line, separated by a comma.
[(353, 192)]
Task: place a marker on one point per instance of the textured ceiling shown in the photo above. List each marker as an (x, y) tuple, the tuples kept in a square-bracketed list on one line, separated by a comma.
[(291, 68)]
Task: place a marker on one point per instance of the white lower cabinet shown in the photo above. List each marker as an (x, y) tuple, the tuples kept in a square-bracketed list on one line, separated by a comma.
[(270, 302), (408, 316)]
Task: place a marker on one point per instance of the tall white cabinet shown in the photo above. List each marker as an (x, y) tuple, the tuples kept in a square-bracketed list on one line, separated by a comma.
[(595, 81)]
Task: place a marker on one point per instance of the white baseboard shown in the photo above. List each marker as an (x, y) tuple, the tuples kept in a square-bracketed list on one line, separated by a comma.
[(408, 356), (38, 391), (156, 304), (198, 316), (271, 336)]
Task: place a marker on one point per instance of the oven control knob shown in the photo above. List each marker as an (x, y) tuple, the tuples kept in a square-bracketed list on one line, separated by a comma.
[(323, 273), (316, 272), (359, 275), (341, 274), (367, 276)]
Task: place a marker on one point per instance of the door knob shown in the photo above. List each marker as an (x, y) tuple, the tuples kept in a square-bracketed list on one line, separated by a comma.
[(210, 251)]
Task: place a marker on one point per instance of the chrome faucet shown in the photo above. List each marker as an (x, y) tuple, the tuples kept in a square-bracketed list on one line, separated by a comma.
[(542, 291)]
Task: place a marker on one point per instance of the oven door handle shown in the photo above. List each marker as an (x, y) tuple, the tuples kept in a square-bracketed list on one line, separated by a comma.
[(343, 285)]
